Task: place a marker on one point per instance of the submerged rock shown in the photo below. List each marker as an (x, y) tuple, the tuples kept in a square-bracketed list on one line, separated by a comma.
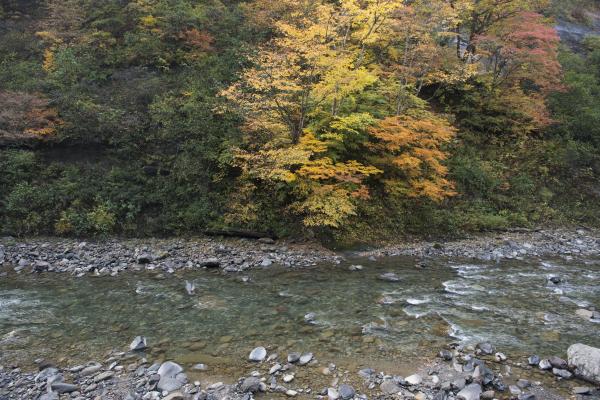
[(485, 348), (389, 277)]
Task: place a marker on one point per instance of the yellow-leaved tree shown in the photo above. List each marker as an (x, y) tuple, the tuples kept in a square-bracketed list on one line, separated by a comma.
[(314, 98)]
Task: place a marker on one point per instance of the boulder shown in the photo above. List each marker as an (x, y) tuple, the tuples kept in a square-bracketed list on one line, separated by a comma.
[(586, 361)]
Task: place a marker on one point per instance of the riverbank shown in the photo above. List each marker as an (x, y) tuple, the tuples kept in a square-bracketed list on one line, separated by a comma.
[(500, 245), (114, 256), (467, 373)]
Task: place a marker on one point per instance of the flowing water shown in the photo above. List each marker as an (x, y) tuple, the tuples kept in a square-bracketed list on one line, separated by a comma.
[(357, 316)]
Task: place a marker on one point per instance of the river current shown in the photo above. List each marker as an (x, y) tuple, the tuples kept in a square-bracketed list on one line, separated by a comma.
[(357, 316)]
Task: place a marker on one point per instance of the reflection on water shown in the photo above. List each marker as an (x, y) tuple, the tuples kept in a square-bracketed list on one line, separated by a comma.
[(357, 316)]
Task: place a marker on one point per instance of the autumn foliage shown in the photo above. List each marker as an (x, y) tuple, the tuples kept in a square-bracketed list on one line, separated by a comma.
[(308, 117), (410, 150), (363, 65)]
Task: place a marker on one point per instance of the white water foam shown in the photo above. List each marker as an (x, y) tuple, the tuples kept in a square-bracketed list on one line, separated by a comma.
[(416, 302)]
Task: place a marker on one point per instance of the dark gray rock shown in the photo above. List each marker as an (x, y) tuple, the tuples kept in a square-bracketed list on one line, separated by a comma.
[(61, 387), (293, 357), (211, 263), (446, 355), (558, 362), (144, 258), (563, 373), (526, 396), (555, 279)]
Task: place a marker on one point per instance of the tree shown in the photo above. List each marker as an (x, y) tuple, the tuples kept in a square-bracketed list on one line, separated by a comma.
[(475, 18), (316, 61), (409, 149)]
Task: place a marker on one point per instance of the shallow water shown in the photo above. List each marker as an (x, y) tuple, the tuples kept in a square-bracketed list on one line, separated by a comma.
[(358, 317)]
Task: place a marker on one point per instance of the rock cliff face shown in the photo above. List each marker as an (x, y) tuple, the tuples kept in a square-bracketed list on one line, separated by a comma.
[(586, 360), (573, 33)]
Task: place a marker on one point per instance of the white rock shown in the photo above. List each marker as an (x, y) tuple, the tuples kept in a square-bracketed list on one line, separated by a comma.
[(414, 379), (332, 394), (586, 360), (258, 354), (275, 368)]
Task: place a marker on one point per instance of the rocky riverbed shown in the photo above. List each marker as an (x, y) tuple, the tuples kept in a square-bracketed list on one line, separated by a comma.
[(111, 257), (498, 246), (338, 331), (461, 373)]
